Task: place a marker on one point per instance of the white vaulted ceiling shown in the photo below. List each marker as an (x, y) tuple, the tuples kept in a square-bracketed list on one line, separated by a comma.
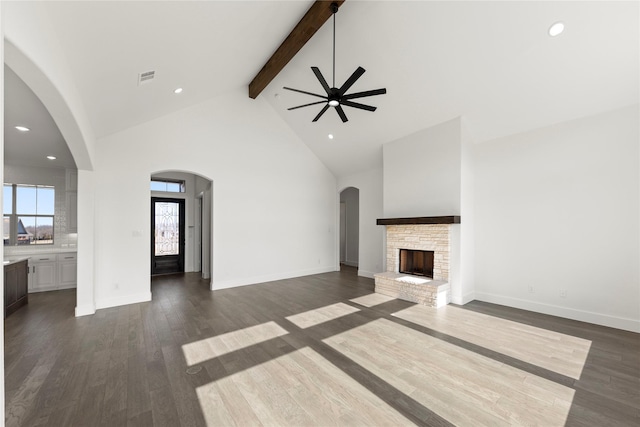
[(492, 63)]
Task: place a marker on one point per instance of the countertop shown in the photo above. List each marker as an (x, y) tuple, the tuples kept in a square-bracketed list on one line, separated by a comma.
[(10, 251), (14, 259)]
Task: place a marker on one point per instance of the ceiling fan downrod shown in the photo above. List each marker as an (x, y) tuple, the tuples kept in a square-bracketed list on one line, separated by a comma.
[(337, 97)]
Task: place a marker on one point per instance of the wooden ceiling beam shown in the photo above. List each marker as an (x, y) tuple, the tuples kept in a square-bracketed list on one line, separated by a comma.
[(316, 16)]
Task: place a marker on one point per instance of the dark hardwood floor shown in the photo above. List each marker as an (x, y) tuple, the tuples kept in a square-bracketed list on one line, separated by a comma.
[(315, 350)]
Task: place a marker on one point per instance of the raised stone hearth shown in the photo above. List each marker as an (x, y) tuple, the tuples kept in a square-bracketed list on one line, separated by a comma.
[(426, 234), (432, 293)]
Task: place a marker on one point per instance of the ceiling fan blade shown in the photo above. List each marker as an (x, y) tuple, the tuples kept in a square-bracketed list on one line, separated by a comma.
[(306, 105), (325, 108), (341, 113), (305, 92), (351, 80), (358, 105), (320, 77), (365, 93)]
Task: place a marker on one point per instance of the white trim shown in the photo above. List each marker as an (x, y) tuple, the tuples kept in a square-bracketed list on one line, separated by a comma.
[(626, 324), (464, 299), (364, 273), (85, 310), (268, 278), (351, 263), (123, 300)]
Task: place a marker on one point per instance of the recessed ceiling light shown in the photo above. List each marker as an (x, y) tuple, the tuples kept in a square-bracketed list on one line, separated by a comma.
[(23, 129), (330, 136), (556, 29), (51, 157), (178, 90)]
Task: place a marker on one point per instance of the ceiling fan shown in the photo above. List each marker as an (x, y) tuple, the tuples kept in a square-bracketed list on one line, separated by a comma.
[(337, 97)]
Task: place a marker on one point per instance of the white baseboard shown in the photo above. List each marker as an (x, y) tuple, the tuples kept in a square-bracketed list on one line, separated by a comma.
[(123, 300), (626, 324), (350, 263), (364, 273), (85, 310), (463, 299), (224, 284)]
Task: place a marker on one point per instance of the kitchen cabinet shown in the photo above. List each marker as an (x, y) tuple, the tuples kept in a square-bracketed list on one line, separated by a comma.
[(72, 200), (72, 212), (67, 270), (51, 271), (44, 273), (15, 286)]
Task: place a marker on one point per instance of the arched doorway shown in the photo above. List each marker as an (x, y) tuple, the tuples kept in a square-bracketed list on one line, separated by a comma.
[(349, 227), (190, 251)]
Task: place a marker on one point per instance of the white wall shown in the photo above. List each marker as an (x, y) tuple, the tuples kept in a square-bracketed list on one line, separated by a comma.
[(557, 210), (422, 172), (371, 253), (349, 196), (256, 164), (430, 173)]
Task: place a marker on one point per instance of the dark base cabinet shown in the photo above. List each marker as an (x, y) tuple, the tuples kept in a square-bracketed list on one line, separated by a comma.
[(15, 286)]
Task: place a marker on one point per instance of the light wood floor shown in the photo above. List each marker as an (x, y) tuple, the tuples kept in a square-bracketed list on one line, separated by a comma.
[(318, 350)]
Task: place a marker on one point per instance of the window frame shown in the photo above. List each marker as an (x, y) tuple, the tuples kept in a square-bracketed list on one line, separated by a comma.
[(166, 181), (15, 216)]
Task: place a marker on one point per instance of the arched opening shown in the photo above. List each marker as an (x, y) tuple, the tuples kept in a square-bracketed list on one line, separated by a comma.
[(349, 227), (78, 183), (181, 234)]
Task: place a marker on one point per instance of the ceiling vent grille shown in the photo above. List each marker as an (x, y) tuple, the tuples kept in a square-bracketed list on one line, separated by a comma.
[(146, 77)]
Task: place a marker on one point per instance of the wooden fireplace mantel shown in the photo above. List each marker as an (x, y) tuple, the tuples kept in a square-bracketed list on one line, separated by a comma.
[(419, 220)]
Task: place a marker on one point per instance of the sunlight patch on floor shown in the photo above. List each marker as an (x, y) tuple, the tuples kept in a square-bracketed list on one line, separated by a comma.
[(209, 348), (560, 353), (461, 386), (321, 315), (300, 388), (372, 299)]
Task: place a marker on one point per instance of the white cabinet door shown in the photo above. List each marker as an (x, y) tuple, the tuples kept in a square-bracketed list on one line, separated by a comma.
[(67, 271), (72, 212), (44, 277)]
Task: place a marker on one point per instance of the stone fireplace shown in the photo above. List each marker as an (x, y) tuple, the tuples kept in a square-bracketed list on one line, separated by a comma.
[(426, 240)]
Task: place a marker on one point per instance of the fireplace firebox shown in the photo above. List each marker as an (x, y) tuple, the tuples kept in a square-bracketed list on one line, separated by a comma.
[(415, 262)]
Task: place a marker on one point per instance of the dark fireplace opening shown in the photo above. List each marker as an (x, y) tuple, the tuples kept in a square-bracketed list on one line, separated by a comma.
[(418, 263)]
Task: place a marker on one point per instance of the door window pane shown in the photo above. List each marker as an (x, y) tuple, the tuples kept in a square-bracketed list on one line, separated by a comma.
[(35, 230), (26, 199), (7, 199), (167, 186), (158, 186), (174, 187), (167, 231), (46, 200)]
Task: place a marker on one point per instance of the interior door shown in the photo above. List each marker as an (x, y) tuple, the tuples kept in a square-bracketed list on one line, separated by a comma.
[(167, 235)]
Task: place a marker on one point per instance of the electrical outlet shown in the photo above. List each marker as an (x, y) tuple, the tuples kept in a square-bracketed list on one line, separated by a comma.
[(563, 293), (532, 289)]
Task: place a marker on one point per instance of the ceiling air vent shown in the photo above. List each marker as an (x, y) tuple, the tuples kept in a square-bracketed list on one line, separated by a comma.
[(146, 77)]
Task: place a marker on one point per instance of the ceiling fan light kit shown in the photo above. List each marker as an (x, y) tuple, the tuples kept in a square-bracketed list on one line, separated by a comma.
[(337, 97)]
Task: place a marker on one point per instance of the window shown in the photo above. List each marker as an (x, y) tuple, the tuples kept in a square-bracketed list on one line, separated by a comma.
[(28, 214), (168, 186)]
